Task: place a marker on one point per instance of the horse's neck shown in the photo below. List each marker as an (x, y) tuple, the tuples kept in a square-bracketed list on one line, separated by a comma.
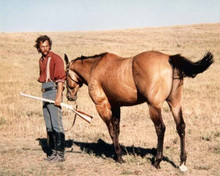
[(84, 67)]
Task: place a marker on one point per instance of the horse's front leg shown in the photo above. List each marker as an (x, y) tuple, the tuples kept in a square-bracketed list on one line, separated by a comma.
[(116, 128), (111, 116)]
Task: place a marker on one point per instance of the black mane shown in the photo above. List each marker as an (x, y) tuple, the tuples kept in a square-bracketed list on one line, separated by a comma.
[(89, 57)]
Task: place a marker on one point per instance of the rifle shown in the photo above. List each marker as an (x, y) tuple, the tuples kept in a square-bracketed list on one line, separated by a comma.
[(83, 115)]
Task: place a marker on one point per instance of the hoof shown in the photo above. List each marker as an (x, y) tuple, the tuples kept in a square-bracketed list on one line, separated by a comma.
[(157, 165), (120, 160), (183, 168)]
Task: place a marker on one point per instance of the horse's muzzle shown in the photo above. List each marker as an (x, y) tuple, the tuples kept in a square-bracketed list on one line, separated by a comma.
[(71, 98)]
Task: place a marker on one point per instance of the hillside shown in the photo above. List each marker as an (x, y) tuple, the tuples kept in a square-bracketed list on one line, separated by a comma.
[(22, 128)]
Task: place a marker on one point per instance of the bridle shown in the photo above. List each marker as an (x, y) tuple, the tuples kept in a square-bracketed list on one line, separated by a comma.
[(76, 81), (74, 78), (67, 74)]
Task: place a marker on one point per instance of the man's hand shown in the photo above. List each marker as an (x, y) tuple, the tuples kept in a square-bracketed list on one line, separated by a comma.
[(58, 99)]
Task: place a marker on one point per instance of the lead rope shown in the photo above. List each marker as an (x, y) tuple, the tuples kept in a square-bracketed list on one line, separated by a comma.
[(74, 120)]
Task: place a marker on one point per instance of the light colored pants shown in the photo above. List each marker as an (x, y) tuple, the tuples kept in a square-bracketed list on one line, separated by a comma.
[(52, 114)]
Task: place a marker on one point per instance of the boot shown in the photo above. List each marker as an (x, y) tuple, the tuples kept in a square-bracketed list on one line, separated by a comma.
[(60, 147), (51, 144)]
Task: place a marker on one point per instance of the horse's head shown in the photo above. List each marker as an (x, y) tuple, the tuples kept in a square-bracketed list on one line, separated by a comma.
[(73, 81)]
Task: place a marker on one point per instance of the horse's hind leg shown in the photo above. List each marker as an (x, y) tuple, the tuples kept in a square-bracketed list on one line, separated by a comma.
[(180, 126), (174, 102), (155, 114)]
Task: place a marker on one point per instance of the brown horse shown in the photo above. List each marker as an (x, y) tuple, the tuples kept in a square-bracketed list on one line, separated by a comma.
[(151, 77)]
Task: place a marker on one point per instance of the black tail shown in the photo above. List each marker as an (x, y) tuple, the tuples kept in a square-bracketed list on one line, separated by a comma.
[(189, 68)]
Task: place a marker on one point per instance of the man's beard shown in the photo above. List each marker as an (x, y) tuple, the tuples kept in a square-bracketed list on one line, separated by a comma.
[(45, 53)]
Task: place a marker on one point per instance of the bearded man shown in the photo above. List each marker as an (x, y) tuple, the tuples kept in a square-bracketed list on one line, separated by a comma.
[(52, 76)]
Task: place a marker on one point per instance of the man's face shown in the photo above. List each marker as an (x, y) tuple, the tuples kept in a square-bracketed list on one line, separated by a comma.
[(44, 48)]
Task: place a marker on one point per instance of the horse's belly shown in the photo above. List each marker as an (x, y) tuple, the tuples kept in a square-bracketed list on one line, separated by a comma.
[(124, 97)]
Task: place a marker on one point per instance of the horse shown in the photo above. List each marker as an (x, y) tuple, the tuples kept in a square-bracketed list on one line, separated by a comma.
[(152, 77)]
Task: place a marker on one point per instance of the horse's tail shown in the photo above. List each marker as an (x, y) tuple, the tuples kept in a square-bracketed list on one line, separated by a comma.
[(189, 68)]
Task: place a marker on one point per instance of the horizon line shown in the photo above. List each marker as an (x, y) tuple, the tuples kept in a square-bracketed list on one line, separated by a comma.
[(113, 29)]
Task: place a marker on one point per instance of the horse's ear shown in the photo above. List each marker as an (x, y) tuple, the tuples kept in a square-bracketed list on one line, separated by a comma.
[(66, 59)]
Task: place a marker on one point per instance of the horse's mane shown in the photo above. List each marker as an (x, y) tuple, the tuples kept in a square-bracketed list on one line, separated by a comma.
[(89, 57)]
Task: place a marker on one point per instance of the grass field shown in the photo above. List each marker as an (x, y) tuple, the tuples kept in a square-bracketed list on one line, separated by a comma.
[(88, 146)]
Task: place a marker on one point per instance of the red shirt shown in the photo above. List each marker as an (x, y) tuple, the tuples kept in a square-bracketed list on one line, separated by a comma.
[(57, 72)]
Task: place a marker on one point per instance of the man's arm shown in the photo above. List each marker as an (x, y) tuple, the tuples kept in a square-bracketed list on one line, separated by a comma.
[(58, 99)]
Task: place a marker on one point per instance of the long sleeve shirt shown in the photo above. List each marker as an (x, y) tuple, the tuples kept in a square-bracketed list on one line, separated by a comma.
[(56, 68)]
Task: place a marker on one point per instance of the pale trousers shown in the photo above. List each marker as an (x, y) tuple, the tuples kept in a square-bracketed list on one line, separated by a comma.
[(52, 114)]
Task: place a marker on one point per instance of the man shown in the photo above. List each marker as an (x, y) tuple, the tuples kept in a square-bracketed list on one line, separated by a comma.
[(52, 77)]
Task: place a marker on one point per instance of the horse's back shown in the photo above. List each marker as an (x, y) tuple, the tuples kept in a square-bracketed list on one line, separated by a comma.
[(153, 76), (128, 81), (115, 76)]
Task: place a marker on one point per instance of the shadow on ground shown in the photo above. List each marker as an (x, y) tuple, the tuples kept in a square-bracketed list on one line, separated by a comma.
[(106, 150)]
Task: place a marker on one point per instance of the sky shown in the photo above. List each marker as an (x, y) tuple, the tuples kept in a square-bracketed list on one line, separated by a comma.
[(89, 15)]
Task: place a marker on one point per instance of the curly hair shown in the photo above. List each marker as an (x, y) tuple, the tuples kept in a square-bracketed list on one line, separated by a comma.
[(40, 39)]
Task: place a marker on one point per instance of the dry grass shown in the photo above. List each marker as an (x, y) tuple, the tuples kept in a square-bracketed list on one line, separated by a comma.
[(89, 150)]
